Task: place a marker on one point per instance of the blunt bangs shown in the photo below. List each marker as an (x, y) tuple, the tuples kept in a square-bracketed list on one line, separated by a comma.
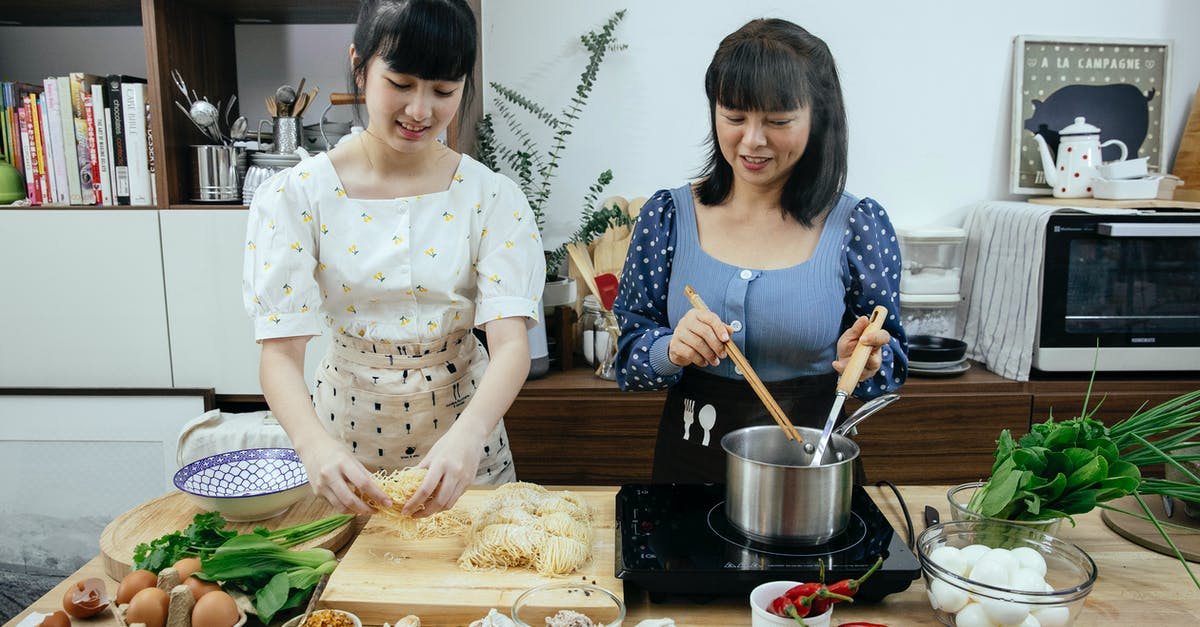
[(432, 40), (758, 75)]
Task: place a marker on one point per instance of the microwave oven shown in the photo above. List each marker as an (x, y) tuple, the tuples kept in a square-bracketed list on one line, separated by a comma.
[(1120, 292)]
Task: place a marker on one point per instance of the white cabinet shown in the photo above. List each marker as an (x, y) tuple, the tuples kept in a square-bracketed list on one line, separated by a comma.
[(212, 337), (81, 300)]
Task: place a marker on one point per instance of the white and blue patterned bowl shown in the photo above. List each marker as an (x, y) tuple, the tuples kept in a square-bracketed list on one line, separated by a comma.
[(250, 484)]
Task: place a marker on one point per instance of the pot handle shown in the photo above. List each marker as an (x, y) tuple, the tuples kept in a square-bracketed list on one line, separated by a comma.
[(1124, 150)]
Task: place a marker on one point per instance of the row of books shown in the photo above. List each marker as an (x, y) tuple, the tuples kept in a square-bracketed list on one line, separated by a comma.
[(80, 139)]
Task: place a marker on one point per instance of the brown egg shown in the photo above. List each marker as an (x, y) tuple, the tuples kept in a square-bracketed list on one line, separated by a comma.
[(186, 566), (215, 609), (57, 619), (148, 606), (86, 597), (133, 583), (200, 588)]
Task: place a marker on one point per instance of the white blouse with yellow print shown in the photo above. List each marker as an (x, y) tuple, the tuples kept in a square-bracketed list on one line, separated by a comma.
[(402, 270)]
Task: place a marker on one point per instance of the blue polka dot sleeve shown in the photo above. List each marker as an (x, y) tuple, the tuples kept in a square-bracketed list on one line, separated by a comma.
[(873, 278), (641, 305)]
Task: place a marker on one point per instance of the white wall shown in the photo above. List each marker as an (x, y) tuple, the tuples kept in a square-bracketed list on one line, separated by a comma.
[(927, 86), (94, 49)]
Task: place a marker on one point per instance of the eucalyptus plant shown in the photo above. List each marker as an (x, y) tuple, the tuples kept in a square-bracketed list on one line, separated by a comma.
[(535, 166)]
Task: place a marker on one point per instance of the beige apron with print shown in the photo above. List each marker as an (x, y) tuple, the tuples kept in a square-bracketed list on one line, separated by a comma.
[(391, 402)]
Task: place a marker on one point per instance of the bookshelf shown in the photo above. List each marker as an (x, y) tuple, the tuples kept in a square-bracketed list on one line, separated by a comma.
[(197, 38)]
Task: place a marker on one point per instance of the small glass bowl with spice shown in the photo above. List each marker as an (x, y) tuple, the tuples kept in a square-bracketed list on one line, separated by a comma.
[(568, 604), (326, 618)]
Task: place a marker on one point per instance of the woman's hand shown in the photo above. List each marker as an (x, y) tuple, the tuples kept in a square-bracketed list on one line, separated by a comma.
[(699, 340), (852, 338), (335, 474), (452, 463)]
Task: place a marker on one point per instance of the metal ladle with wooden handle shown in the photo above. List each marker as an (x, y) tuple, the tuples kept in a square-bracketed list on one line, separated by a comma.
[(848, 381)]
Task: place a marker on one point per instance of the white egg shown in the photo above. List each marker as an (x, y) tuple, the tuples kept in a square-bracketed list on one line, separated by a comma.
[(947, 596), (972, 553), (990, 572), (1031, 559), (1004, 612), (933, 601), (949, 558), (1053, 616), (1027, 580), (973, 616), (1004, 557), (1030, 621)]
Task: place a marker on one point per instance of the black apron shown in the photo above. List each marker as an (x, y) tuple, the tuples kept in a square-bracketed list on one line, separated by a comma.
[(702, 408)]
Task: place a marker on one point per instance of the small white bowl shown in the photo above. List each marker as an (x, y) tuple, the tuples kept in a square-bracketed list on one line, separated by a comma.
[(295, 620), (761, 597), (1126, 189), (1124, 169), (245, 485)]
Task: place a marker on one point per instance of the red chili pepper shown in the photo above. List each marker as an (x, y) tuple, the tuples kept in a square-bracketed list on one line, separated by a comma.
[(845, 588), (802, 590), (861, 624)]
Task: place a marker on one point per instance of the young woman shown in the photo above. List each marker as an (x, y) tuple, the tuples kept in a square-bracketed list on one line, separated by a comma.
[(788, 262), (400, 246)]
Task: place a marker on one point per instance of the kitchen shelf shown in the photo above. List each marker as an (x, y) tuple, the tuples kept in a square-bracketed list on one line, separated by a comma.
[(70, 13), (1096, 203)]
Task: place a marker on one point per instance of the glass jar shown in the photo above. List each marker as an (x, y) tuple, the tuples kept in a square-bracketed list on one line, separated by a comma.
[(589, 320), (606, 346)]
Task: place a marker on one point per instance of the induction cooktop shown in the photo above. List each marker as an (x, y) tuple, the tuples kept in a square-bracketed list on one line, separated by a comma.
[(674, 539)]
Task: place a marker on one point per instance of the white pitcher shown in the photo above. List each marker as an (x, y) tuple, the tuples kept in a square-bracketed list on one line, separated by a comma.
[(1072, 173)]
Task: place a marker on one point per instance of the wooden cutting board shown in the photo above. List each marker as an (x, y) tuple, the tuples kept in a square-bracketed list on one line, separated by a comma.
[(382, 578), (1144, 533), (174, 512)]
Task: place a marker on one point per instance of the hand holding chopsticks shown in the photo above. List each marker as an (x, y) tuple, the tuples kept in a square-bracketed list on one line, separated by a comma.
[(751, 377)]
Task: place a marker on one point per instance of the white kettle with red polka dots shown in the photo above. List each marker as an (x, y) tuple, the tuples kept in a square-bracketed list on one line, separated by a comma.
[(1072, 173)]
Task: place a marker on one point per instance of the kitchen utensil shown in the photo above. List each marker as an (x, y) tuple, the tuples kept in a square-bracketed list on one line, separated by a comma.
[(229, 108), (177, 78), (206, 116), (300, 87), (751, 377), (312, 601), (1187, 157), (271, 106), (583, 261), (774, 494), (165, 514), (607, 284), (1073, 170), (237, 130), (443, 594), (932, 349), (848, 381), (1168, 506), (285, 97), (308, 100), (861, 414)]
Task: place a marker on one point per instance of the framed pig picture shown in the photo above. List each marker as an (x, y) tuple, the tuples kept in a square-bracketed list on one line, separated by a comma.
[(1117, 85)]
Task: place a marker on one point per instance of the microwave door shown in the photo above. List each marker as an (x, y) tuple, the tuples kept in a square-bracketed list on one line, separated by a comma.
[(1130, 288)]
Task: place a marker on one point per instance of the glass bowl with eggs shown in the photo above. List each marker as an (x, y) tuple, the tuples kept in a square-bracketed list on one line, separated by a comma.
[(984, 572), (568, 604)]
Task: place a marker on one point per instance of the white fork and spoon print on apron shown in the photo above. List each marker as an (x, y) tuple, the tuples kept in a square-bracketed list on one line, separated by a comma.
[(707, 418)]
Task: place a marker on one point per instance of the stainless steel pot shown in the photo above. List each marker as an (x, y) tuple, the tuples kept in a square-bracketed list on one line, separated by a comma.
[(772, 495)]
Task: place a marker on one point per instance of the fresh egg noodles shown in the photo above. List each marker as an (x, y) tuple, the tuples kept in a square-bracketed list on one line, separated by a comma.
[(400, 485), (525, 525)]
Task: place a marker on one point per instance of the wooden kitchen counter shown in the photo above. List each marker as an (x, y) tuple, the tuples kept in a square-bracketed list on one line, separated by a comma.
[(1135, 585)]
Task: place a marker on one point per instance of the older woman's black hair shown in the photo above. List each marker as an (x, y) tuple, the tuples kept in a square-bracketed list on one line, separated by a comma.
[(430, 39), (775, 65)]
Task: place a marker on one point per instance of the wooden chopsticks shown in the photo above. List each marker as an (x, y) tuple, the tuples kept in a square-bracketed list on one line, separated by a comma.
[(751, 377)]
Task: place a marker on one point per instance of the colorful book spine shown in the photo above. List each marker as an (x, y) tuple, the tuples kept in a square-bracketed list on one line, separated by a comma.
[(26, 158), (35, 147), (93, 147), (80, 86), (47, 151), (120, 160), (104, 144)]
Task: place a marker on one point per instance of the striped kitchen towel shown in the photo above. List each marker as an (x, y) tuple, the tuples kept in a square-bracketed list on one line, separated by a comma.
[(1002, 281)]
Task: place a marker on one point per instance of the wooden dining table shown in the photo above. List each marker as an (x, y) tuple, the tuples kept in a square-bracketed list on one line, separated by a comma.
[(1135, 586)]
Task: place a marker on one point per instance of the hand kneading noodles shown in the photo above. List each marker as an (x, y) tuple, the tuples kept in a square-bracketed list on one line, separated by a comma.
[(526, 525), (400, 485)]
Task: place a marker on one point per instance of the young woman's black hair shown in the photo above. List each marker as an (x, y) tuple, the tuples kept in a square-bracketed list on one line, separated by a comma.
[(430, 39), (775, 65)]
